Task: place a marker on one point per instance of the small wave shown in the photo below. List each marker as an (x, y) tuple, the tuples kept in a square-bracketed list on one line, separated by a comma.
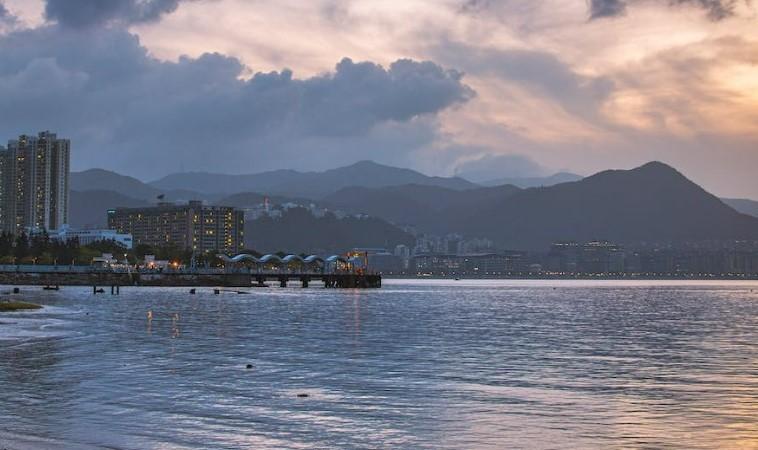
[(24, 328)]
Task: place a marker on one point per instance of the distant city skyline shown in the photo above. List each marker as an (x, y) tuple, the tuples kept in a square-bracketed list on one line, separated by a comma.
[(520, 88)]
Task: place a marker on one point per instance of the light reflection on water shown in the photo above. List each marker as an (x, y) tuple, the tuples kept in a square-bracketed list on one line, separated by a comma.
[(433, 364)]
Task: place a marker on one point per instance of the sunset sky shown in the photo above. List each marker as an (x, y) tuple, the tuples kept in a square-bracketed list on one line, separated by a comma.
[(493, 88)]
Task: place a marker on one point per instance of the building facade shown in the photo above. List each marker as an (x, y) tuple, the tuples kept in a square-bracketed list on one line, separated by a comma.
[(35, 183), (86, 237), (597, 257), (193, 226), (485, 265)]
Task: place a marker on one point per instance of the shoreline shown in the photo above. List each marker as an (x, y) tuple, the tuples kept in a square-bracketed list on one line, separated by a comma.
[(579, 277)]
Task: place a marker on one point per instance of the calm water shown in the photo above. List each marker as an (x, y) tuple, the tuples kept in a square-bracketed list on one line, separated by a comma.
[(436, 364)]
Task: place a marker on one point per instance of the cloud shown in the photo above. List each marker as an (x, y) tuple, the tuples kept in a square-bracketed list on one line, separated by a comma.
[(606, 8), (126, 110), (87, 13), (540, 72), (6, 18), (492, 167), (715, 9)]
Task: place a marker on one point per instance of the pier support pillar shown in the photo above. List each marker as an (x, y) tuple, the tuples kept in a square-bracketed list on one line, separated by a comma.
[(283, 282), (305, 281)]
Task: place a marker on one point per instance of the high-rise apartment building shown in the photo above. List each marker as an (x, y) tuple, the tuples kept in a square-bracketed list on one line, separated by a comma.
[(192, 226), (34, 171)]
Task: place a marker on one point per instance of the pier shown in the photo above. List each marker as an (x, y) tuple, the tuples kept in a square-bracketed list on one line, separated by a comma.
[(52, 277)]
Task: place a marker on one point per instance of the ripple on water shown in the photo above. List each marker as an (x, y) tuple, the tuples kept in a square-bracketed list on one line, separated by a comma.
[(419, 364)]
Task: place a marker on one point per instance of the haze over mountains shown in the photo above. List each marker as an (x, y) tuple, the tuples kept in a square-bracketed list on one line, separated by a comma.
[(653, 203)]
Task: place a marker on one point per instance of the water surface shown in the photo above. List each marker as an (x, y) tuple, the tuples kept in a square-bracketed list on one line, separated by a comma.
[(417, 364)]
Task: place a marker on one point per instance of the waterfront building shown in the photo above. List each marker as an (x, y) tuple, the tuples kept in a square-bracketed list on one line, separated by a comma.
[(86, 237), (404, 253), (35, 183), (602, 257), (192, 226), (595, 257), (564, 257), (485, 265)]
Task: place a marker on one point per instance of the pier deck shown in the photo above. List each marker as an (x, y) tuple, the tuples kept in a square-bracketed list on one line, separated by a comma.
[(78, 276)]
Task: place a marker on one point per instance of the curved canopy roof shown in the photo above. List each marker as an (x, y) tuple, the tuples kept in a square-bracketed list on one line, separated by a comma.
[(270, 258), (275, 259)]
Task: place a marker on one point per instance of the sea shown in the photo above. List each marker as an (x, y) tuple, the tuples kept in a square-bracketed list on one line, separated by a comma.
[(417, 364)]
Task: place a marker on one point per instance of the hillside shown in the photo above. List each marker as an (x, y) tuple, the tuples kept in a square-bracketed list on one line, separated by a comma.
[(652, 203), (105, 180), (246, 199), (88, 208), (298, 230), (427, 207)]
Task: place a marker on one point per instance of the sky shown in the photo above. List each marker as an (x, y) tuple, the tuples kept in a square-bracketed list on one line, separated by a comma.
[(479, 88)]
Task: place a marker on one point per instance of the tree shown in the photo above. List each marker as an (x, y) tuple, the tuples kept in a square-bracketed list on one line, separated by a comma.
[(40, 243), (22, 246), (6, 244)]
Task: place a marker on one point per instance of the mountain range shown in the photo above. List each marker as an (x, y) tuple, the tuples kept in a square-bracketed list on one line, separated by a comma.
[(306, 184), (527, 182), (652, 203), (743, 205)]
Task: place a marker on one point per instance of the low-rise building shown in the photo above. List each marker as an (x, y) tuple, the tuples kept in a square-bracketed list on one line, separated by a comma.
[(86, 237)]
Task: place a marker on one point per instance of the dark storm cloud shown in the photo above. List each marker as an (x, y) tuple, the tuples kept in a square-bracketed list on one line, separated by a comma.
[(85, 13), (126, 110), (716, 9), (606, 8)]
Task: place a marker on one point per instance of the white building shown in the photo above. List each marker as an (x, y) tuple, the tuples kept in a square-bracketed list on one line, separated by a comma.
[(87, 237)]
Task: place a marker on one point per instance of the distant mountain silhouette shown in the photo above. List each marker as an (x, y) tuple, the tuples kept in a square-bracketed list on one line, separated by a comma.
[(226, 184), (105, 180), (307, 184), (743, 205), (527, 182), (88, 209), (653, 203)]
